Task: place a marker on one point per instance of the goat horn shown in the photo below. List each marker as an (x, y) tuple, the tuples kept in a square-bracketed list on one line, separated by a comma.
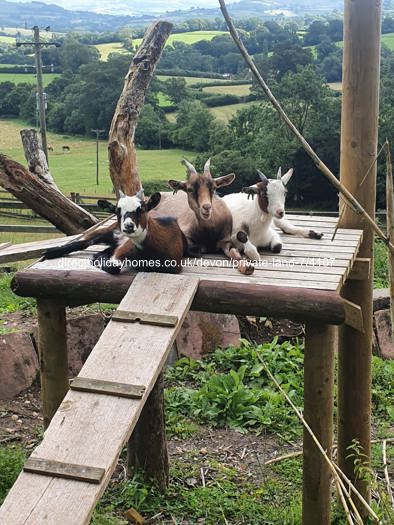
[(207, 166), (140, 194), (262, 176), (279, 174), (189, 166)]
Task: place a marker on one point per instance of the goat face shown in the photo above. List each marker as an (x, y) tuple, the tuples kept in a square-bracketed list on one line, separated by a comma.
[(271, 193), (200, 188), (132, 213)]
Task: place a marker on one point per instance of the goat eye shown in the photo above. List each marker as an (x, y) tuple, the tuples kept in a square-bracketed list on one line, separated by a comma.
[(190, 190)]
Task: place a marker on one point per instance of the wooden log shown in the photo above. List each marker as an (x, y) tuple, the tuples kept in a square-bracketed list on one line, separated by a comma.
[(77, 288), (52, 348), (44, 200), (390, 229), (147, 447), (360, 109), (36, 158), (121, 149), (318, 412)]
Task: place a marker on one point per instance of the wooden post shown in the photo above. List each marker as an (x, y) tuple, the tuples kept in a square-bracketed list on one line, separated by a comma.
[(318, 412), (52, 347), (360, 107), (147, 447), (35, 156), (121, 148)]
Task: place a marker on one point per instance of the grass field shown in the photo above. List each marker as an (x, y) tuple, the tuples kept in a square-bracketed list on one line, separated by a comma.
[(76, 170), (336, 86), (7, 39), (242, 90), (30, 78), (188, 38), (111, 47), (193, 80), (224, 113)]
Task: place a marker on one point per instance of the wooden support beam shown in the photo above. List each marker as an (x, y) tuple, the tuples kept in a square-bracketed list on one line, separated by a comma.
[(353, 315), (147, 447), (52, 347), (318, 412), (121, 148), (359, 134), (77, 288), (43, 199), (361, 269)]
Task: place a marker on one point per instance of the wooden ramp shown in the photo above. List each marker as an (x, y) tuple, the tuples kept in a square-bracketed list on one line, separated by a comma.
[(90, 428)]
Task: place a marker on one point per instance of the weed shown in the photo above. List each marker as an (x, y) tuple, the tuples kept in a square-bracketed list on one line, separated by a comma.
[(11, 462), (9, 302)]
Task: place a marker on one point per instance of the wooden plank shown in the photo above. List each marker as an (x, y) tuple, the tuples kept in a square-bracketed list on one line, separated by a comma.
[(31, 250), (4, 245), (361, 269), (25, 228), (110, 388), (91, 429), (145, 318), (353, 315), (58, 469)]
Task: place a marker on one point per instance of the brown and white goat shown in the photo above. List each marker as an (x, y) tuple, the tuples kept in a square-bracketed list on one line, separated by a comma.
[(256, 217), (137, 240), (202, 215)]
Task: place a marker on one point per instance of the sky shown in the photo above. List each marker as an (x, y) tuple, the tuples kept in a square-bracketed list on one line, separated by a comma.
[(129, 6)]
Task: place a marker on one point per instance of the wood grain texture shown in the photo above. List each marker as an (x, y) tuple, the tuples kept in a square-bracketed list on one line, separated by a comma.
[(91, 429)]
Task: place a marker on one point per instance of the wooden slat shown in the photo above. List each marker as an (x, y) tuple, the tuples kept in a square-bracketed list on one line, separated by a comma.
[(110, 388), (91, 429), (59, 469), (4, 245)]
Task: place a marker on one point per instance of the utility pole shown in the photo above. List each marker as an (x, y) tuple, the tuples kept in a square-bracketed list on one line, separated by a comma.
[(38, 45), (97, 131)]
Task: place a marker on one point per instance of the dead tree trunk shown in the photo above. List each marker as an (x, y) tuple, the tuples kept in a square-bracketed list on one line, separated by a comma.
[(43, 199), (121, 149), (35, 156)]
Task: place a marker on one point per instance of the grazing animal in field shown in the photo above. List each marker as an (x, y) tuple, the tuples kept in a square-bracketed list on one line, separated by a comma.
[(256, 217), (138, 240), (66, 148), (50, 148), (202, 215)]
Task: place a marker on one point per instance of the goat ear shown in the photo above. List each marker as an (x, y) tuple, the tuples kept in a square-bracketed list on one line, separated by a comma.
[(279, 174), (262, 176), (287, 176), (140, 194), (225, 180), (153, 201), (177, 185), (106, 205)]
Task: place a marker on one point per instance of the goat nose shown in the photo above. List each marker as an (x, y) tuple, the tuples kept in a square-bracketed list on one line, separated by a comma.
[(206, 207), (280, 213)]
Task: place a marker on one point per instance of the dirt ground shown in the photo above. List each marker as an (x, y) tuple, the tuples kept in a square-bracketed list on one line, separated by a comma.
[(21, 422)]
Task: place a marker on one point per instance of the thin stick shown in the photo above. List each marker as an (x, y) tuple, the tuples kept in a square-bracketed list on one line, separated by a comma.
[(351, 200), (386, 473), (373, 163), (344, 504), (390, 227), (333, 467)]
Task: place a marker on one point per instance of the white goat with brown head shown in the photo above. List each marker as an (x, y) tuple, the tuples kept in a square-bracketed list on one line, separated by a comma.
[(257, 216)]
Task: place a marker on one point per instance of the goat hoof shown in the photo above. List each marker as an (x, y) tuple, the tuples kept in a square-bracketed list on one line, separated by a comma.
[(276, 248), (246, 268), (315, 235)]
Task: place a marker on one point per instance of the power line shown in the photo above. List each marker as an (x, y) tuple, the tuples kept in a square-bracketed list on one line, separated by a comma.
[(98, 132), (38, 45)]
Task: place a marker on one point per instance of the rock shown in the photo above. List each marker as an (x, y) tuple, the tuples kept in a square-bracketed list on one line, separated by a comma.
[(202, 332), (82, 335), (383, 332), (19, 364), (134, 517), (381, 299)]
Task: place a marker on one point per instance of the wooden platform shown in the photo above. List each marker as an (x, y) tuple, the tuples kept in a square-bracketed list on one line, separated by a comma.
[(303, 263)]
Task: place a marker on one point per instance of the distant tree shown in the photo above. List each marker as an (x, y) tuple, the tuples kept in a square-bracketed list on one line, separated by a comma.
[(175, 88), (73, 55), (315, 33), (289, 56), (192, 126)]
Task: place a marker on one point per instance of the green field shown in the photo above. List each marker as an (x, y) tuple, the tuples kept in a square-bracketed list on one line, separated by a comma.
[(112, 47), (188, 38), (7, 39), (224, 113), (241, 90), (336, 86), (30, 78), (76, 170), (388, 40), (193, 80)]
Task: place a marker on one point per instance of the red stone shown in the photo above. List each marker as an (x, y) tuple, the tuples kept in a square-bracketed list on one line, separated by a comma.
[(383, 332)]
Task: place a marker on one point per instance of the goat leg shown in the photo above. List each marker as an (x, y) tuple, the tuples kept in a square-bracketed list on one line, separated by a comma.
[(243, 266), (286, 226)]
